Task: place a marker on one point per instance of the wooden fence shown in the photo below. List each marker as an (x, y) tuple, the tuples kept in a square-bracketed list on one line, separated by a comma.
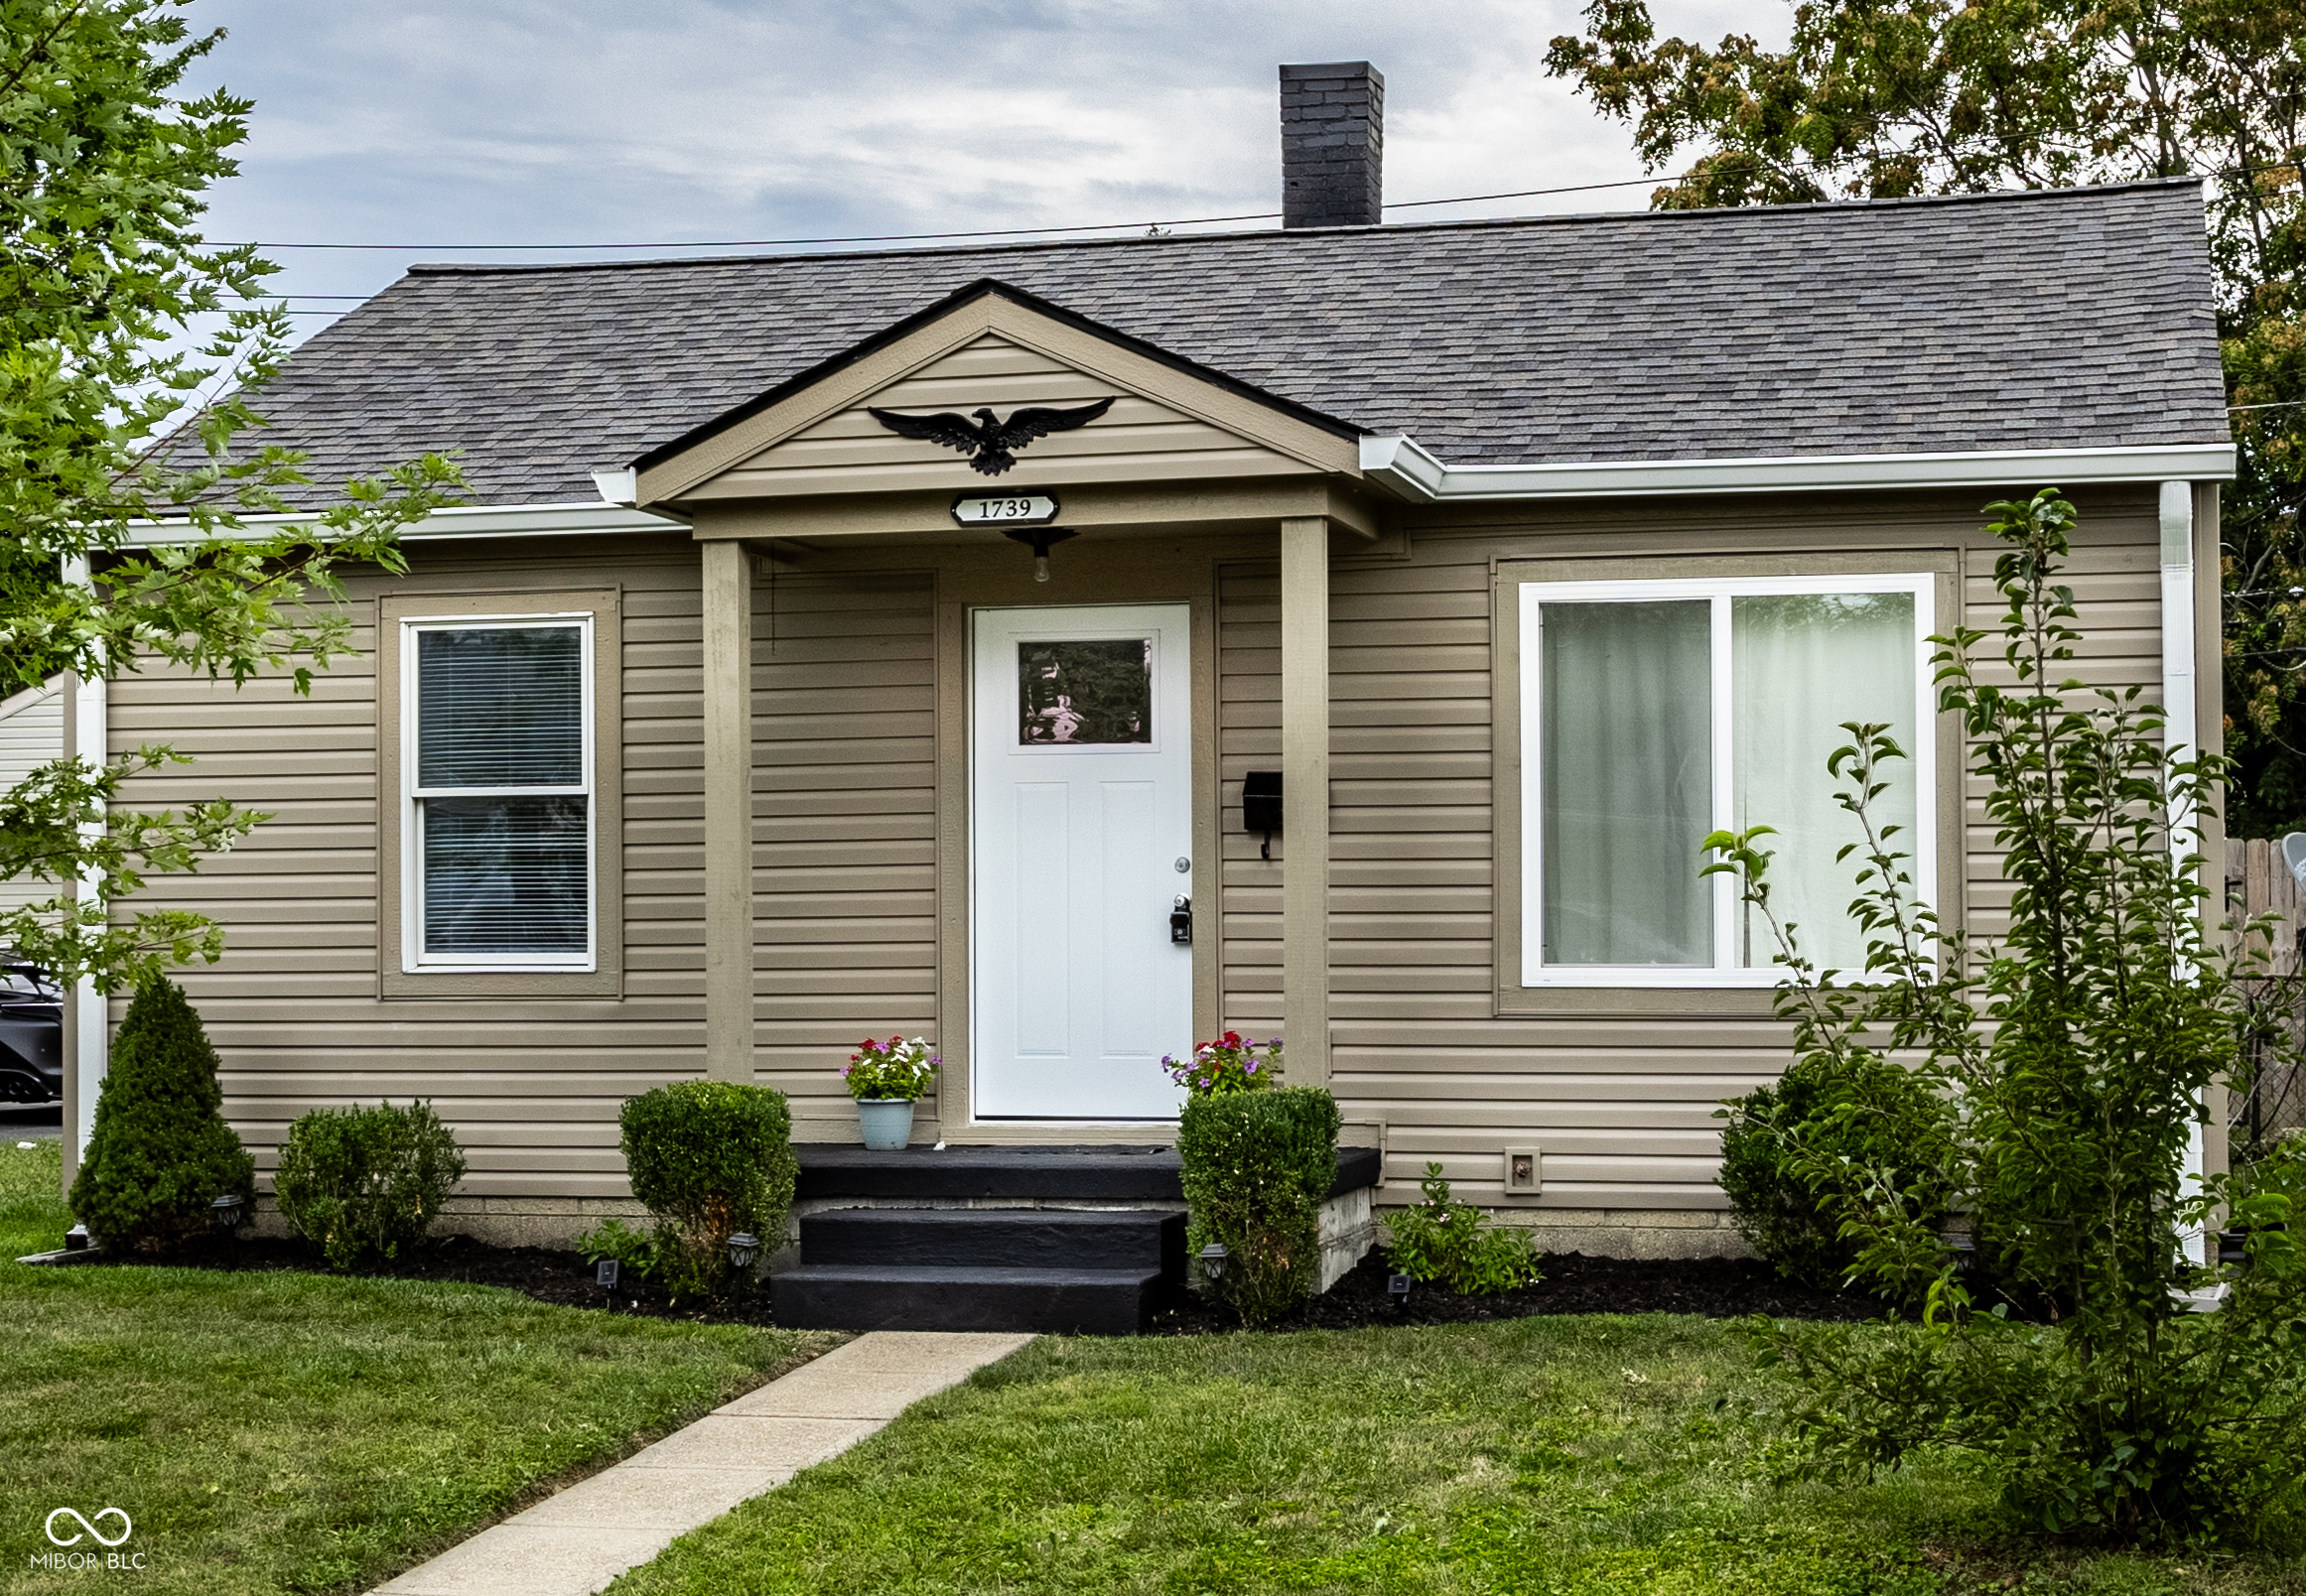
[(2258, 883)]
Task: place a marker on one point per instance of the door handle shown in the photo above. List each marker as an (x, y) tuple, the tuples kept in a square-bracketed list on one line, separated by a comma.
[(1182, 922)]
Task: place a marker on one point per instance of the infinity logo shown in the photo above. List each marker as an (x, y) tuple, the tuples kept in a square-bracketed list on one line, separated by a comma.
[(126, 1528)]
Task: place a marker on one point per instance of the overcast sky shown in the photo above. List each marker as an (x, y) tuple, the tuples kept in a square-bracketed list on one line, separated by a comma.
[(680, 121)]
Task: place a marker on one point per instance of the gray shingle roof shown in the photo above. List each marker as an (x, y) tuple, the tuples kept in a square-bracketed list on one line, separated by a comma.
[(2048, 319)]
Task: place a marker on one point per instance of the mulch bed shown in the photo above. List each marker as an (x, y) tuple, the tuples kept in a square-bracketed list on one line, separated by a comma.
[(545, 1274), (1716, 1287), (1719, 1288)]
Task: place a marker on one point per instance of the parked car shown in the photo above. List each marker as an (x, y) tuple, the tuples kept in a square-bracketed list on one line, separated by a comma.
[(31, 1033)]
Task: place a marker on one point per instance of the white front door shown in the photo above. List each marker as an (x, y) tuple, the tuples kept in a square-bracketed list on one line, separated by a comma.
[(1081, 779)]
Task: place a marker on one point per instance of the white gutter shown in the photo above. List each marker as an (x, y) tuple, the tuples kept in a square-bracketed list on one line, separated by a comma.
[(91, 1020), (469, 521), (1413, 475), (2179, 731)]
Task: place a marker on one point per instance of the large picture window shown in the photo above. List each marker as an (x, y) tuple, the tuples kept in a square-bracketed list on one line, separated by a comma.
[(497, 765), (1656, 712)]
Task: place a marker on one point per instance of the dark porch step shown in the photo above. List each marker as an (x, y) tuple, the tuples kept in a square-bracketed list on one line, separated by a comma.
[(1066, 1172), (850, 1297), (998, 1238)]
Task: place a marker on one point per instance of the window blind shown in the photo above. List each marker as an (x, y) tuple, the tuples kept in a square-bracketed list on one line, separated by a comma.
[(504, 872), (500, 707), (506, 876)]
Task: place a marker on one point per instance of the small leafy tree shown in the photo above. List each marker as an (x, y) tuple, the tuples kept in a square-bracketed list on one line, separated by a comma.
[(2072, 1053), (126, 473), (161, 1152)]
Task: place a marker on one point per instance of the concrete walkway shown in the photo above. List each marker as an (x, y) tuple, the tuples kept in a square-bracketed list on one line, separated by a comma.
[(576, 1542)]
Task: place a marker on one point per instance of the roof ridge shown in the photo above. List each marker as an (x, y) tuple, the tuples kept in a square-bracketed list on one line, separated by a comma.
[(1388, 230)]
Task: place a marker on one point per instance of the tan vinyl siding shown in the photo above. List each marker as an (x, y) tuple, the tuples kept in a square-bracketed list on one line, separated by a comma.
[(844, 742), (850, 730), (531, 1085), (1619, 1100), (31, 733), (1137, 440)]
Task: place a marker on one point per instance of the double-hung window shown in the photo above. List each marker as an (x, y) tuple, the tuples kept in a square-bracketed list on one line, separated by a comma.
[(497, 765), (1655, 712)]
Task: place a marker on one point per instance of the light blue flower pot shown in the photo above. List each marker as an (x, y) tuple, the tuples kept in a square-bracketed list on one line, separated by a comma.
[(888, 1123)]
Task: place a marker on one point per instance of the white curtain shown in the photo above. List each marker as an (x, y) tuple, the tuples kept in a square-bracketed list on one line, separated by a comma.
[(1802, 664), (1626, 775)]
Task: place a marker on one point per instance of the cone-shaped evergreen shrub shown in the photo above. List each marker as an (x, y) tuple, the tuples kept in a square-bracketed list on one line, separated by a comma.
[(162, 1152)]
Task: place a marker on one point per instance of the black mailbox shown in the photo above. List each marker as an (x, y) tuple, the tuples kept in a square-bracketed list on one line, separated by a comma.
[(1261, 806)]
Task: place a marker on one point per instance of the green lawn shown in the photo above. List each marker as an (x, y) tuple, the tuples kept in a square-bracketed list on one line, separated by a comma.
[(298, 1432), (1582, 1456)]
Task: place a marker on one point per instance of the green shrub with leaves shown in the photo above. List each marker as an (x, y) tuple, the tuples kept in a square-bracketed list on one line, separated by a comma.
[(2072, 1053), (708, 1159), (633, 1249), (361, 1182), (1799, 1154), (1453, 1244), (1257, 1166), (161, 1152)]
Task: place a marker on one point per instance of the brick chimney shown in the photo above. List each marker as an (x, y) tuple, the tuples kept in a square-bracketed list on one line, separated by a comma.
[(1332, 144)]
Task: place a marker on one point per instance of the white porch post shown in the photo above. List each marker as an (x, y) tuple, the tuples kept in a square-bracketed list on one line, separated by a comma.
[(727, 684), (1305, 798)]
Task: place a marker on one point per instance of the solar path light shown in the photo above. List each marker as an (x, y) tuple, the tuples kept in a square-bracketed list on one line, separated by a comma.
[(1213, 1262)]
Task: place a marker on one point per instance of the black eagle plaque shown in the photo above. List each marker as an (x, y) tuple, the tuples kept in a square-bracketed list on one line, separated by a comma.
[(990, 444)]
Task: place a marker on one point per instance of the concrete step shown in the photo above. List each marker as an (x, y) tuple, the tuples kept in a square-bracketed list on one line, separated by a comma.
[(851, 1296), (999, 1237)]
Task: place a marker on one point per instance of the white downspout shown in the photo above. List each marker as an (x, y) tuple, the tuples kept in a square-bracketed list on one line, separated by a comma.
[(2179, 731), (91, 1024)]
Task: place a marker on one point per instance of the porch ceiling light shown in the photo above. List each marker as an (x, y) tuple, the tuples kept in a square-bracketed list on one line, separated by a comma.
[(1040, 539), (1213, 1262), (742, 1248)]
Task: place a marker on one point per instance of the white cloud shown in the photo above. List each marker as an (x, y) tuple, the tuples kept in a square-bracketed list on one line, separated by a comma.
[(583, 121)]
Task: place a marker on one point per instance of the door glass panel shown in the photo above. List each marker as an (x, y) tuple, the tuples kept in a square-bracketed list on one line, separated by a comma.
[(1080, 693), (1626, 775)]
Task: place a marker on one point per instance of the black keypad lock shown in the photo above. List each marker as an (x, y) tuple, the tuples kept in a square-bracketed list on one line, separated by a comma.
[(1182, 922)]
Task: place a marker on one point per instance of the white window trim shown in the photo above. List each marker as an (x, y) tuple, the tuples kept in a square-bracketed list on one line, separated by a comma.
[(1722, 973), (414, 959)]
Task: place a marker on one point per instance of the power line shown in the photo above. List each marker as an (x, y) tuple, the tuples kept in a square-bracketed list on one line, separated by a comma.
[(930, 237)]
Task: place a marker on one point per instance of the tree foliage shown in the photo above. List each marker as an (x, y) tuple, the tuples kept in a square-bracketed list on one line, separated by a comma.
[(2107, 1010), (1881, 100), (131, 356)]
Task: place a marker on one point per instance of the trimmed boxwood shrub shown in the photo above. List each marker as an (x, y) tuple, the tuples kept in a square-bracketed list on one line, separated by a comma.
[(366, 1180), (709, 1159), (1865, 1113), (161, 1152), (1257, 1166)]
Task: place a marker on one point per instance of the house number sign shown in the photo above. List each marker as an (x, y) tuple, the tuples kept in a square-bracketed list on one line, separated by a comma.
[(1013, 509)]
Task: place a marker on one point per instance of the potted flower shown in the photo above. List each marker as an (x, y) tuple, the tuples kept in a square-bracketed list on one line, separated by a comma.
[(1231, 1063), (885, 1078)]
